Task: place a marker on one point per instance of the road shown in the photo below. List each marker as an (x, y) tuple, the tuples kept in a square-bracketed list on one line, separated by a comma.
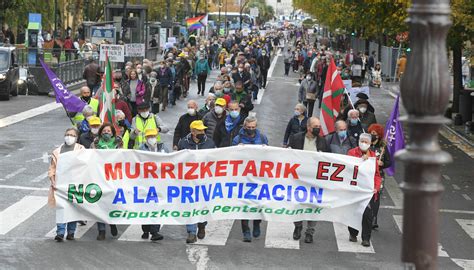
[(27, 223)]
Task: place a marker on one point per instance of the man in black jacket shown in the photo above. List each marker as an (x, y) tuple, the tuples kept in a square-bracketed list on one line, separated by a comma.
[(182, 128), (311, 140), (264, 64), (229, 128)]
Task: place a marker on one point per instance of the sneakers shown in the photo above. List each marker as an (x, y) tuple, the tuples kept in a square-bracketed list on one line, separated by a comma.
[(256, 231), (191, 238), (353, 238), (247, 237), (156, 237), (82, 223), (101, 236), (201, 231), (113, 230), (297, 232), (59, 238), (308, 238), (366, 243), (145, 235), (70, 236)]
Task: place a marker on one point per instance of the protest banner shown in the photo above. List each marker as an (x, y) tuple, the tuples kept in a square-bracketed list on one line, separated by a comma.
[(100, 33), (185, 187), (356, 90), (116, 53), (347, 84), (172, 40), (135, 50)]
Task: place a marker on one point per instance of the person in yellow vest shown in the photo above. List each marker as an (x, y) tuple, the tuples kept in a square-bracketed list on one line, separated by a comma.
[(145, 120), (124, 129), (89, 100)]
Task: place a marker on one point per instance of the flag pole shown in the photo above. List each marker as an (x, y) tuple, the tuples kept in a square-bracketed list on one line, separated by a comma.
[(352, 104), (72, 122)]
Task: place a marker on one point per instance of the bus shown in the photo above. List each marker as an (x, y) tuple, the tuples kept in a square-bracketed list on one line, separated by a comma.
[(233, 20)]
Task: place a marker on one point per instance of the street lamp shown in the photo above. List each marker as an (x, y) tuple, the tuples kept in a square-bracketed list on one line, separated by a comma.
[(425, 95)]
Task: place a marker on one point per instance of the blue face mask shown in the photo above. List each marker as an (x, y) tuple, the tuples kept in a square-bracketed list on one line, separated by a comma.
[(234, 114), (342, 134), (354, 122)]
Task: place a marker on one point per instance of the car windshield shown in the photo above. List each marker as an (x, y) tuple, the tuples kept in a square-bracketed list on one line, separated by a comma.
[(3, 61)]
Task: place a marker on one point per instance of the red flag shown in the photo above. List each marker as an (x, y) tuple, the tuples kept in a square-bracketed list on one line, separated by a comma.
[(331, 104)]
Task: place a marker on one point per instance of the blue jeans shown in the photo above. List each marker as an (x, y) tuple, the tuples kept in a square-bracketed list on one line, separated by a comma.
[(61, 228), (192, 228)]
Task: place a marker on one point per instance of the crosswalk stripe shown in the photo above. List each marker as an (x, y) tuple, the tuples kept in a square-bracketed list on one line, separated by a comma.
[(133, 233), (399, 221), (279, 235), (80, 230), (464, 264), (17, 213), (343, 243), (467, 225), (217, 233)]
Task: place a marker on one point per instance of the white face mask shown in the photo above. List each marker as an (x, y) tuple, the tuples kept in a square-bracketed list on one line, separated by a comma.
[(241, 69), (95, 131), (364, 146), (363, 109), (219, 109), (191, 111), (69, 140), (145, 114), (151, 141)]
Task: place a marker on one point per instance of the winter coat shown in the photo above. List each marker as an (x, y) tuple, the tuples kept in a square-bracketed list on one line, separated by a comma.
[(243, 138), (188, 143), (211, 121), (222, 137), (356, 152), (294, 126), (182, 128), (338, 147), (296, 141)]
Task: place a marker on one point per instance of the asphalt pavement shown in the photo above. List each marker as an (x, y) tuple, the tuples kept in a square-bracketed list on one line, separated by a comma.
[(27, 224)]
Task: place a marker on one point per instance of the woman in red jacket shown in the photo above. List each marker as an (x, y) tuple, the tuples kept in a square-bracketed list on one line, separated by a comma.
[(363, 151)]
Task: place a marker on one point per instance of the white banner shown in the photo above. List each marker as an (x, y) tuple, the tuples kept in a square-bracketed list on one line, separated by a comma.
[(356, 90), (185, 187), (135, 50), (116, 52)]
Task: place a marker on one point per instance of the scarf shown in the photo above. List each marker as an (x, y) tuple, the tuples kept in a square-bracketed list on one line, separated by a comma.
[(106, 145), (231, 123)]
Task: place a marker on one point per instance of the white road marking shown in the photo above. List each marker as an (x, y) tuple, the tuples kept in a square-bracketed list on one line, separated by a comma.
[(12, 119), (394, 191), (80, 230), (280, 235), (466, 197), (343, 243), (40, 177), (456, 187), (446, 177), (217, 233), (467, 225), (198, 255), (272, 66), (23, 188), (260, 95), (20, 211), (464, 264), (399, 221), (8, 176), (133, 233)]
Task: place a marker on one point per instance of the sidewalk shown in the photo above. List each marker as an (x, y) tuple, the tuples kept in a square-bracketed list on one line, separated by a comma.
[(458, 135)]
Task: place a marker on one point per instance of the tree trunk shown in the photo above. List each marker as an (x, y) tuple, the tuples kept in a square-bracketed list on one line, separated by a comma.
[(457, 77)]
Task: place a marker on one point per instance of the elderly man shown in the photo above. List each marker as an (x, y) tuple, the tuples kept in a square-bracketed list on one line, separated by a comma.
[(340, 142), (213, 118), (182, 128), (228, 129), (363, 151), (87, 138), (309, 140), (249, 134), (354, 125), (208, 106), (86, 96), (196, 140)]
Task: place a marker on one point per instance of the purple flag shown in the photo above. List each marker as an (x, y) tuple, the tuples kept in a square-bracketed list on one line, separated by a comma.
[(69, 101), (394, 136)]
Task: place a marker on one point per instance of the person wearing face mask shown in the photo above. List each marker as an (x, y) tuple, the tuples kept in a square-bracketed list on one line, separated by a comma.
[(86, 139), (249, 134), (309, 140), (244, 99), (366, 117), (202, 70), (70, 139), (196, 140), (124, 129), (121, 104), (165, 79), (107, 139), (287, 59), (307, 93), (296, 124), (264, 64), (213, 118), (145, 120), (154, 91), (182, 128), (152, 145), (340, 142), (230, 127), (208, 105), (83, 126), (137, 91), (379, 147), (86, 96), (363, 151), (242, 76), (354, 126)]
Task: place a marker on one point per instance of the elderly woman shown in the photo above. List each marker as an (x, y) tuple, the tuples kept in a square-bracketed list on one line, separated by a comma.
[(70, 139), (88, 112), (137, 91), (297, 123)]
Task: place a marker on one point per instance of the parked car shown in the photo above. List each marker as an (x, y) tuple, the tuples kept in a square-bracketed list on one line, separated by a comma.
[(8, 73)]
